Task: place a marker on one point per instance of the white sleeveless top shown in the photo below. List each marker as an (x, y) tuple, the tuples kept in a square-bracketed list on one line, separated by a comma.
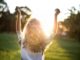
[(26, 54)]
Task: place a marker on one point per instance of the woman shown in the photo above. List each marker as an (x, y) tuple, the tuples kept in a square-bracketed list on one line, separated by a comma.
[(32, 38)]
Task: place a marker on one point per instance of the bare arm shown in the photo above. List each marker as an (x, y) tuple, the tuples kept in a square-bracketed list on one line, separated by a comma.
[(18, 26), (18, 22)]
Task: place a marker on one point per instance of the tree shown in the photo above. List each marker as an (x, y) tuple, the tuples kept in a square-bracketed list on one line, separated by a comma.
[(72, 23), (4, 13), (8, 20)]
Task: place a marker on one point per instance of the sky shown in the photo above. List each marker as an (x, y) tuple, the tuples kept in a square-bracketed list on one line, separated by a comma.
[(44, 9)]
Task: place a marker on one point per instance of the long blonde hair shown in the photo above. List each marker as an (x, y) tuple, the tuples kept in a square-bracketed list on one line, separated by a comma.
[(35, 38)]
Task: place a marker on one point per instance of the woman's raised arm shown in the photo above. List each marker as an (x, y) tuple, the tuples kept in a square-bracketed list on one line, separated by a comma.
[(18, 21)]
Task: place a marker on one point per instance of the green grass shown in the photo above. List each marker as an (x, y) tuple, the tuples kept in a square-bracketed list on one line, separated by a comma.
[(63, 49), (9, 47), (60, 49)]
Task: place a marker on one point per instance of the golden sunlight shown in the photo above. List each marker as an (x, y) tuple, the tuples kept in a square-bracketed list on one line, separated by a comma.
[(47, 25), (43, 10)]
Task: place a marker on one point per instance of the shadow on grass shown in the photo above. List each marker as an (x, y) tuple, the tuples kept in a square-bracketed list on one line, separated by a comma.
[(9, 47), (71, 47), (63, 49)]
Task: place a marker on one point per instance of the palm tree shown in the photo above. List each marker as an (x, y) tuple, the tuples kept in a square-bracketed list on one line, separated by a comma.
[(57, 11), (3, 8)]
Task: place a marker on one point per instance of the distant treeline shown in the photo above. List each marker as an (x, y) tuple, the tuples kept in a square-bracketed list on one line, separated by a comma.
[(72, 23), (7, 20)]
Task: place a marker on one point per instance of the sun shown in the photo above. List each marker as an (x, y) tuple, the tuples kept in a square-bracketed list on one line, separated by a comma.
[(47, 25)]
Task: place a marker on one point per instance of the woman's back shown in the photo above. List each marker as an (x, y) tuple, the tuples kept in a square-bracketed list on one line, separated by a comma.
[(35, 37)]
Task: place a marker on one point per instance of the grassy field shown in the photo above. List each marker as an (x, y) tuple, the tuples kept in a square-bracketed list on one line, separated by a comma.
[(9, 47), (60, 49), (63, 49)]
